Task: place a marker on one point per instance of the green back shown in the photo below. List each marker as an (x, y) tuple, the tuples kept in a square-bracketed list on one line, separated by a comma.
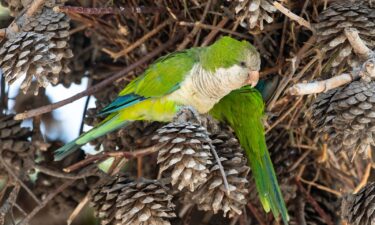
[(164, 75)]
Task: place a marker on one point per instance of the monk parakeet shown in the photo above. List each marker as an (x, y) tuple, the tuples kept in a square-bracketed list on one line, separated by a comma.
[(243, 110), (197, 77)]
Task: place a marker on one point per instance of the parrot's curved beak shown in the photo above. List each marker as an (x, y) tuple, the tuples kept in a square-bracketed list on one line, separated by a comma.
[(253, 78)]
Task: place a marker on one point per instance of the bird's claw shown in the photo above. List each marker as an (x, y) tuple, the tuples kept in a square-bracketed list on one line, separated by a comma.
[(187, 113)]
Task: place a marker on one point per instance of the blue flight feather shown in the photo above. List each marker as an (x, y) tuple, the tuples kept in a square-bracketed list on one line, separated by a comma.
[(122, 102)]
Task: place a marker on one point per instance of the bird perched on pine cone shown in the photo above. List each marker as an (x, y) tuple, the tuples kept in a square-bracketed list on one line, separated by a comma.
[(197, 77)]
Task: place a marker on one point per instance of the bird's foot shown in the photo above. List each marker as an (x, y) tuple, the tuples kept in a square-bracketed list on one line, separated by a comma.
[(187, 113)]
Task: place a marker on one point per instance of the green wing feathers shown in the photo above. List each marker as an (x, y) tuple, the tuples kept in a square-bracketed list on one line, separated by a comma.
[(164, 75), (243, 109)]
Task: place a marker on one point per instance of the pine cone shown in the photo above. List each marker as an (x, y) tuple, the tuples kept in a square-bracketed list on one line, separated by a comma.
[(252, 13), (185, 154), (212, 195), (27, 53), (334, 20), (346, 115), (125, 201), (359, 209), (14, 143), (55, 24)]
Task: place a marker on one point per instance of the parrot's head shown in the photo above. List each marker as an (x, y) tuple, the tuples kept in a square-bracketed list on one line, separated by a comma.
[(238, 62)]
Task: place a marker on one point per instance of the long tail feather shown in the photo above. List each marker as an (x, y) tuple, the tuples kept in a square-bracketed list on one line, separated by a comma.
[(243, 109), (267, 186), (66, 150), (108, 125)]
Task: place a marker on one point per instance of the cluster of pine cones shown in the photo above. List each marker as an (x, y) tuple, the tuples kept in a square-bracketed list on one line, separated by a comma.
[(40, 52), (186, 168), (346, 113)]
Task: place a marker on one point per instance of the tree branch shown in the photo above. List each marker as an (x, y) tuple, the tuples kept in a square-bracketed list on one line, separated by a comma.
[(37, 209), (357, 43), (95, 88), (365, 72), (105, 155), (320, 86)]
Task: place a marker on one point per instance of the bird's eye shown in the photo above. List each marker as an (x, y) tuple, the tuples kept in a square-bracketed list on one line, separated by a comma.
[(242, 64)]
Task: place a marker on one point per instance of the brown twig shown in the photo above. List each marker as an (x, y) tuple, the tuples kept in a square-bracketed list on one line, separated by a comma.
[(58, 174), (9, 203), (100, 86), (34, 7), (364, 179), (104, 155), (78, 209), (196, 28), (2, 33), (43, 204), (256, 214), (108, 10), (301, 21), (300, 205), (216, 28), (294, 63), (213, 33), (140, 41), (17, 179), (316, 206), (321, 187)]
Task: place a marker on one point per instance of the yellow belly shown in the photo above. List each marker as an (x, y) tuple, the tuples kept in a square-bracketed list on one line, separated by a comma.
[(157, 109)]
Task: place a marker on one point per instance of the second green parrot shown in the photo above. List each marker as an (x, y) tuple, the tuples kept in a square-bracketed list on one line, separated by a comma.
[(196, 77), (243, 110)]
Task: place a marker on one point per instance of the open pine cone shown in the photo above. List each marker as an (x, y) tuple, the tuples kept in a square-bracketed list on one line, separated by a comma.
[(185, 154), (340, 15), (252, 13), (128, 202), (14, 142), (56, 25), (27, 53), (346, 115), (359, 209), (212, 195), (39, 51)]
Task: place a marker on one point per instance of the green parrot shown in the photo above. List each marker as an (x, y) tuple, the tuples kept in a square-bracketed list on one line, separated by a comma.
[(197, 77), (243, 110)]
